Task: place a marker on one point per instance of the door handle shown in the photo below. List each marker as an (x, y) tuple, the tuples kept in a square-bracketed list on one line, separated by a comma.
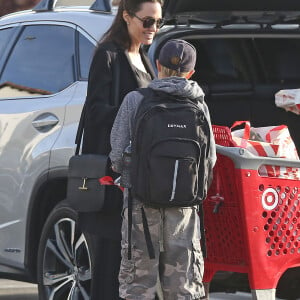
[(45, 122)]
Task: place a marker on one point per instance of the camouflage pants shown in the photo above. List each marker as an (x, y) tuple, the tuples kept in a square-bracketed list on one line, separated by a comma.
[(175, 234)]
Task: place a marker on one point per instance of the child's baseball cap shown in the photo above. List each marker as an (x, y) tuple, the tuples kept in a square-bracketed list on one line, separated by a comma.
[(178, 55)]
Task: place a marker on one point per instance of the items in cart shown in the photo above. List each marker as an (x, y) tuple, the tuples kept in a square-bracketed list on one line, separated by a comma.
[(246, 139), (288, 100), (270, 141)]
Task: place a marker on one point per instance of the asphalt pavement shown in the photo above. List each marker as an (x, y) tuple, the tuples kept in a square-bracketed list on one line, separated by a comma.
[(16, 290)]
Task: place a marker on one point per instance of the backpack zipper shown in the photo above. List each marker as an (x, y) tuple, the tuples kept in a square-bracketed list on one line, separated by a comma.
[(174, 180)]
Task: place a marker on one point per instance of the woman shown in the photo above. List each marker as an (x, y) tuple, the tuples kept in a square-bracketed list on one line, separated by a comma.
[(135, 24)]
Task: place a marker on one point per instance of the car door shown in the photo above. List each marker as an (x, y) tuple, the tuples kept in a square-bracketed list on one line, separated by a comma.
[(36, 82)]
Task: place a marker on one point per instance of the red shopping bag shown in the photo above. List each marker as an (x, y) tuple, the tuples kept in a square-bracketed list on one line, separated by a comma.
[(270, 141)]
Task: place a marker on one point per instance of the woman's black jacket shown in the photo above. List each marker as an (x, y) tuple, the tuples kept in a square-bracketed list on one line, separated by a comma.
[(100, 112), (100, 109)]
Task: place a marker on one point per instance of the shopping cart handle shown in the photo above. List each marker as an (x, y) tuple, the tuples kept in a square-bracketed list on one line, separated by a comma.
[(243, 159)]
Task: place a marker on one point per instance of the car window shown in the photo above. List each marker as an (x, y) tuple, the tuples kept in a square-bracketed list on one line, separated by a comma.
[(281, 59), (5, 35), (86, 51), (42, 62), (220, 61)]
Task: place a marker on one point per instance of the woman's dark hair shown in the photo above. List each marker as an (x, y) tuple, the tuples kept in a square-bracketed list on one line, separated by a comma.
[(118, 32)]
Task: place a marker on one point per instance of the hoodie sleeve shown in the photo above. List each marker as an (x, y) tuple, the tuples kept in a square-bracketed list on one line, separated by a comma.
[(121, 132), (120, 135), (212, 156)]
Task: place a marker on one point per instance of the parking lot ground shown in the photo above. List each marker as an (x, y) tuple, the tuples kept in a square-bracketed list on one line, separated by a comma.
[(17, 290)]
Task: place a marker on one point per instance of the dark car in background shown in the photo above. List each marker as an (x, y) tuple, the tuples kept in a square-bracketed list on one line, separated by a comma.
[(247, 51)]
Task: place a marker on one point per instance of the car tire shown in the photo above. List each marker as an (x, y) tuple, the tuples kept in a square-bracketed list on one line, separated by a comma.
[(65, 257), (288, 285)]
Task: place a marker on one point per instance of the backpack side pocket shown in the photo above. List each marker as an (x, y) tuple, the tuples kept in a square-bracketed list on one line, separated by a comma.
[(173, 172)]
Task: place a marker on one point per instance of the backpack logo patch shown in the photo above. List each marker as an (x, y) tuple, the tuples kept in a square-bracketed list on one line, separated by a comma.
[(176, 125)]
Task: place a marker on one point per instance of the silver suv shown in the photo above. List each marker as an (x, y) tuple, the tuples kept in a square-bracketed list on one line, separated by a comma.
[(247, 51), (45, 56)]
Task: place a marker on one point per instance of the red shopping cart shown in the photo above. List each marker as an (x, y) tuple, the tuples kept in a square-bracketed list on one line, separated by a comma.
[(252, 222)]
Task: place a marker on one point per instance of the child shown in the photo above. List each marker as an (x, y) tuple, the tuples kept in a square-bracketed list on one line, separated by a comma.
[(175, 231)]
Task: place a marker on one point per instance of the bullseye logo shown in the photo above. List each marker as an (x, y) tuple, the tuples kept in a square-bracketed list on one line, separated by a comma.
[(269, 199)]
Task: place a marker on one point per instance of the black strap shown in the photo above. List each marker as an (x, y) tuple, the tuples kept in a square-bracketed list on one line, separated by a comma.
[(149, 244), (147, 235), (202, 230), (115, 101), (116, 81), (129, 223)]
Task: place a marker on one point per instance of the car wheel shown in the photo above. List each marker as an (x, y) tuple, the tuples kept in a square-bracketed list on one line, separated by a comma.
[(64, 258), (288, 285)]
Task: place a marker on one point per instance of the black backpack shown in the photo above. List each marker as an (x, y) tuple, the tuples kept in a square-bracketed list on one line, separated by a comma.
[(170, 147), (169, 156)]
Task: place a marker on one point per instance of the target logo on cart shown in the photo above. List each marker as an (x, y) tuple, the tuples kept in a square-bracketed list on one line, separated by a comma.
[(269, 199)]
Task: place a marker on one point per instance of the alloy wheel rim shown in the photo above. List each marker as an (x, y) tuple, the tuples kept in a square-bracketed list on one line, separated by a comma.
[(66, 263)]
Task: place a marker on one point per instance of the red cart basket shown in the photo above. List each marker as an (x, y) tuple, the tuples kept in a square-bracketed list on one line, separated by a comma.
[(252, 223)]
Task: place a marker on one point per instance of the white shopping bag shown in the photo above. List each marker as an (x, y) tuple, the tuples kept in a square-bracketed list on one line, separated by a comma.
[(279, 135), (255, 142), (271, 141), (288, 100)]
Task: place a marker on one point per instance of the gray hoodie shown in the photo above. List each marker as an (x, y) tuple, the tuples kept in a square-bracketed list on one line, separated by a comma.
[(124, 123)]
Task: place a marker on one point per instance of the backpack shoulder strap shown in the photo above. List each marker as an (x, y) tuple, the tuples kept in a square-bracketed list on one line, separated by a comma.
[(148, 95), (146, 92), (150, 98)]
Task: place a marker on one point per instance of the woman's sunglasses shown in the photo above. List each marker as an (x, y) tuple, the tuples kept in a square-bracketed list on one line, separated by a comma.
[(149, 22)]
